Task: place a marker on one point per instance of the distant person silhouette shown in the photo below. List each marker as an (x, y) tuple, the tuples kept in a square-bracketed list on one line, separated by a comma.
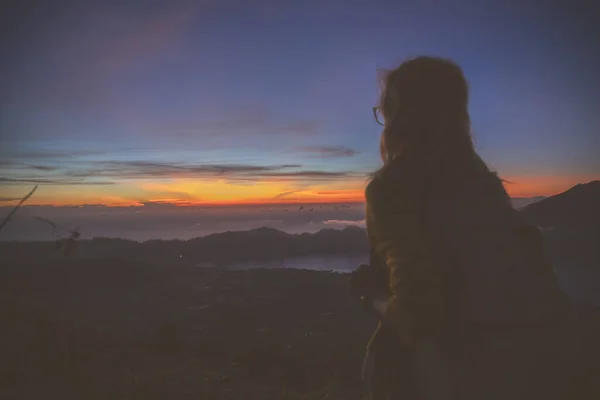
[(471, 300)]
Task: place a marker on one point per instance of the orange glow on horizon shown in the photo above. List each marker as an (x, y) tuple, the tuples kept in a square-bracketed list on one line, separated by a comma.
[(179, 195), (221, 193), (532, 186)]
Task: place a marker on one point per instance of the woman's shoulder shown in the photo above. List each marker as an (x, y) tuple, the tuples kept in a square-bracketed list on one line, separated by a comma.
[(399, 176)]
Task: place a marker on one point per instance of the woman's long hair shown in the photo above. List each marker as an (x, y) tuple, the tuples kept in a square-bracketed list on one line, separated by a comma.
[(424, 103)]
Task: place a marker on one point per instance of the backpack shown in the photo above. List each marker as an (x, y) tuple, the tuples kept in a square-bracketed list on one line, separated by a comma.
[(491, 259)]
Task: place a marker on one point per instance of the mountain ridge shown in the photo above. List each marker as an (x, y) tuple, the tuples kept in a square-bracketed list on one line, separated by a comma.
[(570, 221), (260, 244), (574, 208)]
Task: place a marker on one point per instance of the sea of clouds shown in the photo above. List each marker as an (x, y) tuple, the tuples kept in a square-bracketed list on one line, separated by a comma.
[(167, 221)]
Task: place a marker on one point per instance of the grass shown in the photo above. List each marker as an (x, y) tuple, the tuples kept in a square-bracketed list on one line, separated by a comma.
[(14, 210)]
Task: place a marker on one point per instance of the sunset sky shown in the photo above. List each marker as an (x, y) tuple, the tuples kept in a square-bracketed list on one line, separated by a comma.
[(202, 102)]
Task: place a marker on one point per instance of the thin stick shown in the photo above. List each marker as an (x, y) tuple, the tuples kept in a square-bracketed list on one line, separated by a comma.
[(23, 200)]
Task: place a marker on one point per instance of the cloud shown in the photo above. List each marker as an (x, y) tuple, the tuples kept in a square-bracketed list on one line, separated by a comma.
[(329, 151), (153, 220), (360, 223), (160, 204), (165, 196), (250, 117), (80, 172), (143, 169), (331, 192), (284, 194), (255, 116), (152, 35), (42, 167), (311, 174), (9, 199), (101, 42), (14, 156), (44, 181), (308, 127)]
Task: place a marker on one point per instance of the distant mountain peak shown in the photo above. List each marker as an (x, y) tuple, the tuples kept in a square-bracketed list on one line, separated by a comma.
[(579, 205), (579, 192), (520, 202)]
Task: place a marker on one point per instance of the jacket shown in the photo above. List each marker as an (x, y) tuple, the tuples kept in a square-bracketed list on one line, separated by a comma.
[(459, 256)]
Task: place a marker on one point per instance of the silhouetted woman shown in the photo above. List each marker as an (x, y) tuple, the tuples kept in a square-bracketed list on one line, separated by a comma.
[(471, 292)]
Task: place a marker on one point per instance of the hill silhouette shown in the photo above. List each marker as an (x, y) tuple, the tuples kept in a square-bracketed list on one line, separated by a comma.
[(263, 244), (520, 202), (576, 208), (570, 222)]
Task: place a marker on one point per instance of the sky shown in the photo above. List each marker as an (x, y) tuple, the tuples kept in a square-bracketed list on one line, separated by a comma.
[(121, 103)]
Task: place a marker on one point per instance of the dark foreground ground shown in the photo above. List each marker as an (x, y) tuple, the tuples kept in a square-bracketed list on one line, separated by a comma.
[(116, 330)]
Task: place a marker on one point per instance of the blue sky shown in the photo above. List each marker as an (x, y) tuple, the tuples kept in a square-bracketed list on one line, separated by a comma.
[(122, 102)]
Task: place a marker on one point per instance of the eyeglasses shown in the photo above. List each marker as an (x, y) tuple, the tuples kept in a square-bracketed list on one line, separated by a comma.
[(378, 116)]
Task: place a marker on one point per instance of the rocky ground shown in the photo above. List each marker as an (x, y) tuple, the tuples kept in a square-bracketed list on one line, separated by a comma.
[(116, 330)]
